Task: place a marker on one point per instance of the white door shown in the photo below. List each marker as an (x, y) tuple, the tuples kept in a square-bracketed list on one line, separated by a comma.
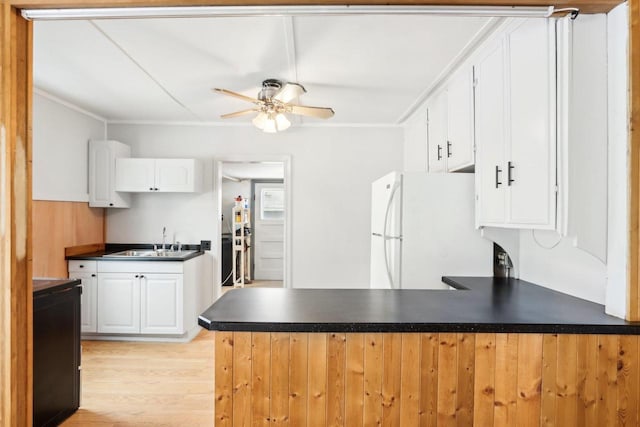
[(530, 170), (437, 133), (88, 300), (268, 233), (137, 175), (174, 175), (386, 230), (119, 303), (161, 304), (490, 138), (459, 150)]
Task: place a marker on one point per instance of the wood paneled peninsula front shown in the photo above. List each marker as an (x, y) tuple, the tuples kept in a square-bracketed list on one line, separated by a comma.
[(494, 352)]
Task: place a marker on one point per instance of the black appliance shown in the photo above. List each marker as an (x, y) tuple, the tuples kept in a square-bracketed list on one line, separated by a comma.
[(227, 259), (56, 350)]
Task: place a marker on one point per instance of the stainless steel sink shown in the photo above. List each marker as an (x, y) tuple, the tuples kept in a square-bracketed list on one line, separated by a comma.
[(140, 253)]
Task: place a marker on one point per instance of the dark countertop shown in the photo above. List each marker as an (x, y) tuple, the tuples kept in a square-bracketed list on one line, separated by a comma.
[(117, 247), (44, 286), (481, 304)]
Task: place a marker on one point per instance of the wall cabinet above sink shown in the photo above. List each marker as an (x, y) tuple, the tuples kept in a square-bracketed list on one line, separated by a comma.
[(158, 175)]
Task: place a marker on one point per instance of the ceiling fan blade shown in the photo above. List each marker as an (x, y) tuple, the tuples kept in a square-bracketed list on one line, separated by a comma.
[(238, 113), (319, 112), (237, 95), (289, 91)]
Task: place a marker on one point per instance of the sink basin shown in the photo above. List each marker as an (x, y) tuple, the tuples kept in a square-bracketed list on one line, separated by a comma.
[(139, 253)]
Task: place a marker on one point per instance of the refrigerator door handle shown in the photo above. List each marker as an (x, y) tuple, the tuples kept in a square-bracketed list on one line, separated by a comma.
[(384, 232)]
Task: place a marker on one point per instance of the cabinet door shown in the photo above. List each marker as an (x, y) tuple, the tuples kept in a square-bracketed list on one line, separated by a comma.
[(161, 304), (175, 175), (88, 300), (99, 174), (490, 137), (437, 133), (531, 61), (135, 175), (118, 303), (102, 158), (459, 149)]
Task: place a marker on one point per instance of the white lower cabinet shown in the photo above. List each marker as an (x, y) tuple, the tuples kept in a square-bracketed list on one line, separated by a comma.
[(138, 298), (119, 303), (88, 300), (161, 304)]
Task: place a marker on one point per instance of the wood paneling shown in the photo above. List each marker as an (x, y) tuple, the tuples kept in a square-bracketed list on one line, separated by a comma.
[(447, 379), (59, 225), (15, 223)]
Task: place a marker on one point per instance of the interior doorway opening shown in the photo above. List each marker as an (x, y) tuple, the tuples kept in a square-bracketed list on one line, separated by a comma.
[(253, 225)]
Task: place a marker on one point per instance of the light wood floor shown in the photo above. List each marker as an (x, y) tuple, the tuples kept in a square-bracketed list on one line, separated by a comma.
[(146, 384)]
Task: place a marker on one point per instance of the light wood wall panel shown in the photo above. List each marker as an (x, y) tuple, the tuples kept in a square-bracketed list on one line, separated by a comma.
[(446, 379), (58, 225)]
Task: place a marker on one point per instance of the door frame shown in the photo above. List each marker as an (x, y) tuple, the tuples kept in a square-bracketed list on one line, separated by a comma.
[(218, 167), (253, 215)]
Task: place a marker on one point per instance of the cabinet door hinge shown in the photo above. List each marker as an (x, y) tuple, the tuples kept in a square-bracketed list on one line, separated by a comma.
[(475, 82), (556, 189)]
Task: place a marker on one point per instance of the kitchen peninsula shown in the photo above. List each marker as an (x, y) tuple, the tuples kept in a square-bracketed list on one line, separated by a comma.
[(494, 351)]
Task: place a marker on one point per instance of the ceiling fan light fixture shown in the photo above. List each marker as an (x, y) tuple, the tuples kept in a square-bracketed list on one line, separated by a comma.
[(282, 123), (260, 120), (270, 126)]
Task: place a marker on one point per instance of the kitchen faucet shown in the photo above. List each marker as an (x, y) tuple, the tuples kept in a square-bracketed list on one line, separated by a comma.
[(164, 237)]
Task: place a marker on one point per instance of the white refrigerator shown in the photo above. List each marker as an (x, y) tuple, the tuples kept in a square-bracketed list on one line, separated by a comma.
[(423, 228)]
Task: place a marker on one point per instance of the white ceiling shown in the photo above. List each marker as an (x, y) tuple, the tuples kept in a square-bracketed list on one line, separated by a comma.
[(370, 69)]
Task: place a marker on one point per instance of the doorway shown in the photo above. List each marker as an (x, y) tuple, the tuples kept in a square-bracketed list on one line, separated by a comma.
[(262, 186)]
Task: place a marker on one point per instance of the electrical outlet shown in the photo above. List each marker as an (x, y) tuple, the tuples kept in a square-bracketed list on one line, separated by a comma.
[(205, 245)]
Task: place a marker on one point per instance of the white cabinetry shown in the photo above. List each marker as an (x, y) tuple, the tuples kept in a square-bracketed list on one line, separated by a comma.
[(161, 303), (86, 272), (119, 303), (147, 297), (159, 175), (515, 128), (102, 174), (450, 127)]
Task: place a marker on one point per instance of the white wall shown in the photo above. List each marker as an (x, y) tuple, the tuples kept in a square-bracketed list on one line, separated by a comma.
[(415, 141), (332, 171), (60, 149)]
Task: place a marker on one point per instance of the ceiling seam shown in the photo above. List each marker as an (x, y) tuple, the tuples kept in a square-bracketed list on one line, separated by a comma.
[(481, 36), (144, 70)]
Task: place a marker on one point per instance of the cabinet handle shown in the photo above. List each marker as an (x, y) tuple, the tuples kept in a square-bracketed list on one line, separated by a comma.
[(137, 275), (110, 204), (155, 189), (142, 276), (150, 188), (439, 150), (510, 167), (448, 148), (498, 171), (81, 266), (93, 275)]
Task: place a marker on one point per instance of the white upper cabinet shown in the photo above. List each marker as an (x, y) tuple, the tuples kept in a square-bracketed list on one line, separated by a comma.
[(159, 175), (515, 128), (450, 124), (102, 178), (460, 149), (437, 132)]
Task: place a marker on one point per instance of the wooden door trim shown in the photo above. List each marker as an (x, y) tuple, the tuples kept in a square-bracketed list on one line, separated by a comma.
[(15, 220), (15, 172)]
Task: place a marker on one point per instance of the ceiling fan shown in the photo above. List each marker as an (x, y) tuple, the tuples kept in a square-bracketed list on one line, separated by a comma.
[(273, 102)]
